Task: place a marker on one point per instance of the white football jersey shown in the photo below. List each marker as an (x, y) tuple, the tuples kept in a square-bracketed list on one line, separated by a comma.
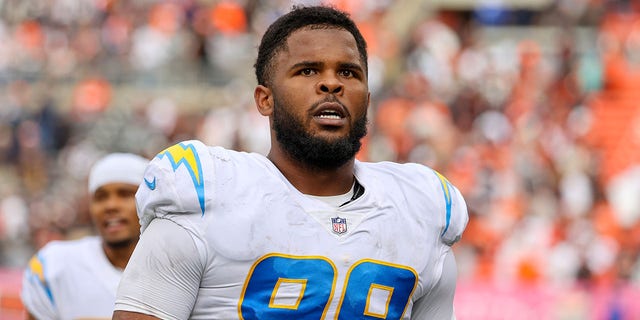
[(70, 280), (263, 250)]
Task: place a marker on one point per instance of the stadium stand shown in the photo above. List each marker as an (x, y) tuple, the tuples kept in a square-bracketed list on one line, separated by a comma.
[(529, 107)]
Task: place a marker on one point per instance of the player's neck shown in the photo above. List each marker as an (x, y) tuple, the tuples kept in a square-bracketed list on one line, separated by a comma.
[(119, 256), (328, 182)]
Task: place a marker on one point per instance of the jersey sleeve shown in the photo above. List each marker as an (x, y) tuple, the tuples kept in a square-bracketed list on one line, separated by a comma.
[(438, 302), (36, 294), (163, 275), (178, 181), (455, 212)]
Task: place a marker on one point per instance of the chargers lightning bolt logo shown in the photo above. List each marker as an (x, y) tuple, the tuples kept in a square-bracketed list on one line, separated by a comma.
[(35, 270), (187, 155)]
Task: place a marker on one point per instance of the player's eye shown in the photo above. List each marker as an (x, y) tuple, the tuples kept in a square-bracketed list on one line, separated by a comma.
[(126, 193), (99, 196), (307, 72), (346, 73)]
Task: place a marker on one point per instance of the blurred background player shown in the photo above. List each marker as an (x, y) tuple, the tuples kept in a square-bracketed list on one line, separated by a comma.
[(307, 232), (78, 278)]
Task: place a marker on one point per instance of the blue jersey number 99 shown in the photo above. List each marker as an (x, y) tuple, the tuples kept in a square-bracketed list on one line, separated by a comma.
[(301, 287)]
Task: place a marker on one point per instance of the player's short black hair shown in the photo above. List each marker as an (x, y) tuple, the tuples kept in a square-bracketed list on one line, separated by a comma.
[(275, 38)]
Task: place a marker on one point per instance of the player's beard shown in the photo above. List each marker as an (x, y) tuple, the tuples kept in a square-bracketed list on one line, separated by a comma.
[(315, 152)]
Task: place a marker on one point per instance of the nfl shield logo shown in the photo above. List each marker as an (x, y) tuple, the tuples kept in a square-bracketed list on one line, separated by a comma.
[(339, 225)]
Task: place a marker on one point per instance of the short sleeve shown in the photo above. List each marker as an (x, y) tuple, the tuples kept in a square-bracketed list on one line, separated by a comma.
[(163, 275), (36, 293), (438, 303)]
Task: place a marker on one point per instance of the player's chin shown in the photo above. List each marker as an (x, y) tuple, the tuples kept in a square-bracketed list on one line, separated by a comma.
[(115, 236), (119, 241), (331, 134)]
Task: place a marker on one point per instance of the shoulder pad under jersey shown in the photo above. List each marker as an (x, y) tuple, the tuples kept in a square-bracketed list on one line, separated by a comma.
[(455, 211), (178, 180)]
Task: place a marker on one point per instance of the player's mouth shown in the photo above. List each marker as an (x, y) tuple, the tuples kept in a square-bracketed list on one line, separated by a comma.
[(114, 225), (330, 114)]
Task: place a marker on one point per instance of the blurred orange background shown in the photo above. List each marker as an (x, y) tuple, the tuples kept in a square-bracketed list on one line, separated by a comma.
[(531, 108)]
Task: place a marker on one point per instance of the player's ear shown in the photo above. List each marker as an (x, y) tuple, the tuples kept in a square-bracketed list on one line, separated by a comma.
[(264, 100)]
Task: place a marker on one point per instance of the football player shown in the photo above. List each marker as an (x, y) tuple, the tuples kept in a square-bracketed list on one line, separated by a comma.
[(307, 232), (78, 279)]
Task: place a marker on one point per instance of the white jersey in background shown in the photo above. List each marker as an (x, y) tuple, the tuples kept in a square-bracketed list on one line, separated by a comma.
[(226, 236), (70, 280)]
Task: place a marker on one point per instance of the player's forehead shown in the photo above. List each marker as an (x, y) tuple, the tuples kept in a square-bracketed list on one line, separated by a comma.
[(318, 43), (315, 33), (116, 187)]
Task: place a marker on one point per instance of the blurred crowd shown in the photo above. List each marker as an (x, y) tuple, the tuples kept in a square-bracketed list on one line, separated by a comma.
[(532, 112)]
